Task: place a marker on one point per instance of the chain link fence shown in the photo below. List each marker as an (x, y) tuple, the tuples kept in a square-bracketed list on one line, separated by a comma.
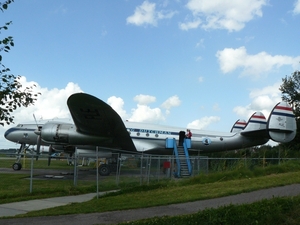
[(149, 168), (144, 168)]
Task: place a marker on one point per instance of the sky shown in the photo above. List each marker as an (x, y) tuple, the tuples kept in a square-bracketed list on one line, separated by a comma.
[(189, 63)]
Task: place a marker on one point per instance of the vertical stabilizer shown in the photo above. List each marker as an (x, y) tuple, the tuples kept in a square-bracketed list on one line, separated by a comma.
[(256, 122), (282, 123), (238, 126)]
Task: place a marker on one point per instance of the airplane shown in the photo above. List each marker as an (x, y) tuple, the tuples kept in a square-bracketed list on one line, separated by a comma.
[(97, 124)]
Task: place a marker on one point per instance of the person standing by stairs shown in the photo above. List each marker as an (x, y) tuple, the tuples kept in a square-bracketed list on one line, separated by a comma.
[(188, 134)]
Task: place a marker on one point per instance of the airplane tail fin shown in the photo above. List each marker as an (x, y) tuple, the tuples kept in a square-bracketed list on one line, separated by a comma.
[(256, 126), (238, 126), (282, 123), (256, 122)]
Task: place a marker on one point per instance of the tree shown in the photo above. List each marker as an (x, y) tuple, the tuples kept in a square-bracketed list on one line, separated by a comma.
[(290, 89), (12, 94)]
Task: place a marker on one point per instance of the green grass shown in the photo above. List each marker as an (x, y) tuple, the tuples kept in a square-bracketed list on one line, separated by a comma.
[(41, 163), (132, 195), (268, 212), (16, 187), (172, 193)]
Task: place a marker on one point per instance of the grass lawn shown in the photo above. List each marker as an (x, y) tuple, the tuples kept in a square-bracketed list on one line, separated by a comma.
[(132, 195)]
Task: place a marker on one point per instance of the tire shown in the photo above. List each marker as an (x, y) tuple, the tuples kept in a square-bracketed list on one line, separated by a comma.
[(104, 170), (17, 166)]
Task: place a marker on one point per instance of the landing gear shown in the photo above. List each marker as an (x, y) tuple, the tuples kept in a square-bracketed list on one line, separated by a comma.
[(17, 166), (104, 170), (107, 165), (22, 150)]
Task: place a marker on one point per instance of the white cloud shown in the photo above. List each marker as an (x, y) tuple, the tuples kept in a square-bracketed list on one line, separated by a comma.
[(190, 25), (223, 14), (173, 101), (144, 99), (143, 14), (146, 14), (117, 104), (203, 122), (262, 100), (296, 7), (231, 59), (144, 113), (49, 105)]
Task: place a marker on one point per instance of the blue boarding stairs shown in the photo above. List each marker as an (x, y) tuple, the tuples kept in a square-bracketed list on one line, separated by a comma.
[(183, 162)]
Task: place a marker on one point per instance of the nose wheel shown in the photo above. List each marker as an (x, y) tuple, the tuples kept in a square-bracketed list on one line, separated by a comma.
[(22, 151), (17, 166)]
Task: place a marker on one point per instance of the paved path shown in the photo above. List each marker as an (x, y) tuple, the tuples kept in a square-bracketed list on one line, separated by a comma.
[(136, 214)]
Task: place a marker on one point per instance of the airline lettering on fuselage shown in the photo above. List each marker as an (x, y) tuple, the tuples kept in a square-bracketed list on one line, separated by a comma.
[(149, 131)]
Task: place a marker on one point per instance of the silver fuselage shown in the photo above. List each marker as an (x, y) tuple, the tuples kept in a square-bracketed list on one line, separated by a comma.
[(147, 138)]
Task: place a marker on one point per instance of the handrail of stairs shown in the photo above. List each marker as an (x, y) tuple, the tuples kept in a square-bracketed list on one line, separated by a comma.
[(186, 145), (177, 158)]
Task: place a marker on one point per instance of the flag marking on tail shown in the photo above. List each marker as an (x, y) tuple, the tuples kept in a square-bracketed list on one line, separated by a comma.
[(283, 111), (258, 119), (240, 124)]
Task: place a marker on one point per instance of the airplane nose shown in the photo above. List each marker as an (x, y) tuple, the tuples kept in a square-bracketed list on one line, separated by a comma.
[(8, 132)]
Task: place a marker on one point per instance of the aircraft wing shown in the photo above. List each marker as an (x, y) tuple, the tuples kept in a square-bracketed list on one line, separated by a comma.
[(94, 117)]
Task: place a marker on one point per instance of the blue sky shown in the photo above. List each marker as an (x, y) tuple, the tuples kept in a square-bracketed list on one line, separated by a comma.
[(195, 63)]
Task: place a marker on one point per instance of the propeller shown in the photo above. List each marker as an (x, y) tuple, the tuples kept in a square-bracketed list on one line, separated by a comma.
[(38, 132), (38, 141)]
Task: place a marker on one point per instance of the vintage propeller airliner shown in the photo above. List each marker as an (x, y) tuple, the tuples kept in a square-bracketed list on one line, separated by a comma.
[(97, 124)]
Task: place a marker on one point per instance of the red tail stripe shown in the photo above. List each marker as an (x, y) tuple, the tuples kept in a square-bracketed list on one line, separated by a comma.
[(284, 108)]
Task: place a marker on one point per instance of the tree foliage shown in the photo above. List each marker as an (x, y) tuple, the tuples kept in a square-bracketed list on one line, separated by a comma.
[(290, 90), (12, 93)]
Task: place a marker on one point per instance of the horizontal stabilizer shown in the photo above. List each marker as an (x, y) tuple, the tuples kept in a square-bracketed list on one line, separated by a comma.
[(282, 123), (238, 126)]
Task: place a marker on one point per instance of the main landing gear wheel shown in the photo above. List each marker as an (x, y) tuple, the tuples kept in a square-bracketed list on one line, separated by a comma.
[(17, 166), (104, 170)]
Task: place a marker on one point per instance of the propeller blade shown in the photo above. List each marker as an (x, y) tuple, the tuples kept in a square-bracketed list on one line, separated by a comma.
[(38, 132), (38, 146)]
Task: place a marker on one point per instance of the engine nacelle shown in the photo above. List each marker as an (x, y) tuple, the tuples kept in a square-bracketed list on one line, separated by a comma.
[(66, 134), (57, 133)]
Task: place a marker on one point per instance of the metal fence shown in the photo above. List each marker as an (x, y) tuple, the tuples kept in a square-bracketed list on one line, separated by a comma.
[(145, 169), (149, 168)]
